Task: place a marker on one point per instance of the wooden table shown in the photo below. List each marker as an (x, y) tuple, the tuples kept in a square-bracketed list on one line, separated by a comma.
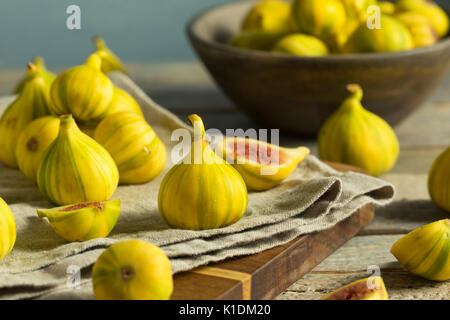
[(186, 88)]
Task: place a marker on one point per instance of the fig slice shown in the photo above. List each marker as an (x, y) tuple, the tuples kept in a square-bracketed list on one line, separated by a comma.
[(83, 221), (372, 288), (262, 165)]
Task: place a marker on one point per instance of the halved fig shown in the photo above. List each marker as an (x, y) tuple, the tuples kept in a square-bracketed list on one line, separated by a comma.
[(372, 288), (83, 221), (262, 165)]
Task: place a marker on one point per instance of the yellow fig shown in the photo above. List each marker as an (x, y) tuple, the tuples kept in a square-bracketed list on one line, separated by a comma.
[(132, 270), (301, 45), (110, 62), (203, 191), (372, 288), (439, 180), (357, 9), (83, 221), (7, 229), (48, 76), (83, 91), (420, 28), (426, 251), (358, 137), (261, 165), (125, 102), (256, 40), (321, 18), (269, 16), (138, 152), (33, 142), (392, 36), (75, 168), (33, 102), (430, 10)]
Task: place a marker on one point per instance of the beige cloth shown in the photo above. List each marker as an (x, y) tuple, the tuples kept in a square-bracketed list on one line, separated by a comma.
[(314, 198)]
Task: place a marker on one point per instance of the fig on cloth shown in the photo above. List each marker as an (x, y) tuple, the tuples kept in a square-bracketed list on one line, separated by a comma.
[(136, 149), (203, 191), (110, 62), (132, 270), (83, 91), (372, 288), (75, 168), (32, 103), (7, 229), (358, 137), (426, 251), (261, 165), (83, 221), (439, 180), (33, 142), (48, 76)]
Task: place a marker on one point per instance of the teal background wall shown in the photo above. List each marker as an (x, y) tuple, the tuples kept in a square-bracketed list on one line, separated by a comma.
[(137, 30)]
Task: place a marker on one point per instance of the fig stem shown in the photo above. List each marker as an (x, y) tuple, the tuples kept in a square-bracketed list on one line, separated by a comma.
[(197, 123), (99, 42), (94, 61), (356, 90)]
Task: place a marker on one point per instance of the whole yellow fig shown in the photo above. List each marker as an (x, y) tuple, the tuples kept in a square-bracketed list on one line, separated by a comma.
[(7, 229), (269, 16), (426, 251), (48, 76), (125, 102), (430, 10), (392, 36), (321, 18), (356, 136), (83, 221), (33, 142), (301, 45), (420, 28), (83, 91), (203, 191), (439, 180), (33, 102), (110, 62), (256, 40), (75, 168), (132, 270), (134, 146)]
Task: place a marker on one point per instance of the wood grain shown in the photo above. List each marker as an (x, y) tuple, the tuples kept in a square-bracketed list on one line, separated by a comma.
[(267, 274)]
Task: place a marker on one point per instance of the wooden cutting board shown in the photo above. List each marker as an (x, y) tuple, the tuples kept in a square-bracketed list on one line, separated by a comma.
[(267, 274)]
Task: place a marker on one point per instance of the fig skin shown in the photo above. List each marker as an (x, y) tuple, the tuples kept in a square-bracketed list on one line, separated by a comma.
[(136, 149), (439, 180), (421, 29), (270, 16), (33, 142), (358, 137), (425, 251), (32, 103), (83, 221), (75, 168), (110, 62), (202, 191), (7, 229), (132, 270), (301, 45), (48, 76)]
